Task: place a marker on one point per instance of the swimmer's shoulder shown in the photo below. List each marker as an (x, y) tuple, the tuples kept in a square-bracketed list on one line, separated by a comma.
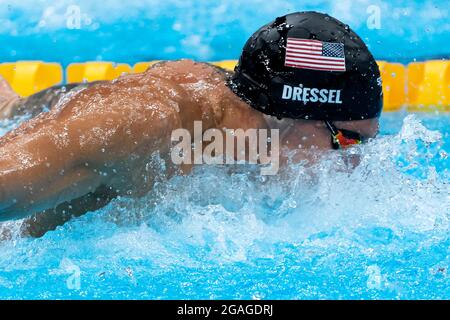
[(188, 70)]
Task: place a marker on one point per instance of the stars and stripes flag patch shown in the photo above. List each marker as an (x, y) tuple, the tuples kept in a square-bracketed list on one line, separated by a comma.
[(315, 55)]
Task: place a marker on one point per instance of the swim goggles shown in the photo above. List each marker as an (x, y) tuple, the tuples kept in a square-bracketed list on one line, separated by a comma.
[(341, 138)]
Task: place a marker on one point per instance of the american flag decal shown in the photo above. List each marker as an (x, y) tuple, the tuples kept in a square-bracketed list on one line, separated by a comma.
[(315, 55)]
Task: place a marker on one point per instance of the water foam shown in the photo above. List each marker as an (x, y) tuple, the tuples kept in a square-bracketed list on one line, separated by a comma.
[(380, 230)]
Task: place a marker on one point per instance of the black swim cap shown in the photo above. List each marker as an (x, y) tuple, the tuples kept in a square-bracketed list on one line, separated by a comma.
[(308, 65)]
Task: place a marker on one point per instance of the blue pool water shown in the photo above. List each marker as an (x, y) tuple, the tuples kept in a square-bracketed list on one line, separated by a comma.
[(381, 231), (68, 31)]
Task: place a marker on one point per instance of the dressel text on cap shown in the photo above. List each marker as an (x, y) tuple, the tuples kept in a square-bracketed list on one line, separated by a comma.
[(311, 94)]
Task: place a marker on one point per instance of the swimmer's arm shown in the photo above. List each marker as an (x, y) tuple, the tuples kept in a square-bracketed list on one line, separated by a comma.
[(28, 190), (40, 223), (42, 166), (60, 156)]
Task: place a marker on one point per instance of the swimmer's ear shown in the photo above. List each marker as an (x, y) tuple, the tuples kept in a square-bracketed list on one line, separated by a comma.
[(376, 129)]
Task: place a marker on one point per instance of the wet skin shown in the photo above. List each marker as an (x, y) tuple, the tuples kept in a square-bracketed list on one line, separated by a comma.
[(97, 143)]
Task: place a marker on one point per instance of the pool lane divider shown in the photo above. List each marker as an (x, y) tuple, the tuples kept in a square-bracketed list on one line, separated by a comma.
[(29, 77), (419, 86), (94, 71)]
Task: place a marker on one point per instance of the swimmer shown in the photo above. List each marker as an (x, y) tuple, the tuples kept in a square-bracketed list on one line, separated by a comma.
[(305, 73)]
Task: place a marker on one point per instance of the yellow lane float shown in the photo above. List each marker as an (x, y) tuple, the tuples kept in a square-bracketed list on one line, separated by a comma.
[(393, 76), (226, 64), (429, 86), (143, 66), (421, 86), (94, 71), (29, 77)]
